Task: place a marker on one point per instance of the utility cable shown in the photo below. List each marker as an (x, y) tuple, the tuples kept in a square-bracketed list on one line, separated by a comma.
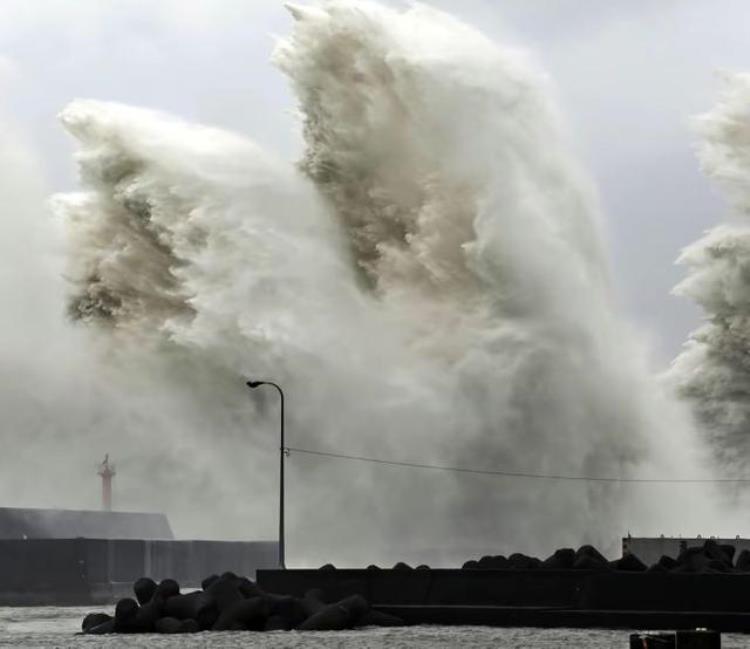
[(512, 474)]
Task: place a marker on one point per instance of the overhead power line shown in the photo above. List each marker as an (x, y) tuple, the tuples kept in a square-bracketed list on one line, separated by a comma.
[(512, 474)]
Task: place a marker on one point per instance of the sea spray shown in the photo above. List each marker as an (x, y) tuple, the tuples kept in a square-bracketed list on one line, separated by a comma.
[(429, 285), (713, 371)]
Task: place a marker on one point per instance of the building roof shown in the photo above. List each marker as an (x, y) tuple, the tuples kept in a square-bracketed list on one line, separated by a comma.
[(17, 523)]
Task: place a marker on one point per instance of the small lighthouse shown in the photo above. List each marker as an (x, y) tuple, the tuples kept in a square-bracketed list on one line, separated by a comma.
[(107, 472)]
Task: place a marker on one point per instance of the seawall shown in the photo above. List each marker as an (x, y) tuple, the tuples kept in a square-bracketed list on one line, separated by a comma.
[(548, 598), (81, 571)]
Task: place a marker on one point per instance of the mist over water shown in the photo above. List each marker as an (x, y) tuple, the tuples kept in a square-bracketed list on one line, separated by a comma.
[(713, 371), (429, 284)]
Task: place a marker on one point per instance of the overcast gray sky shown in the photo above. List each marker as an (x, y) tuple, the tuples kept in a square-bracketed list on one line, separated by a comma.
[(629, 75)]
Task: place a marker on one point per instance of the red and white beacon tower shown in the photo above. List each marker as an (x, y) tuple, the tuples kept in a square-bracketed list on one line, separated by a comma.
[(107, 472)]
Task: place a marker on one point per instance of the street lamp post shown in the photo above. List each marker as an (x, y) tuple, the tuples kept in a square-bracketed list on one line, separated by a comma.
[(282, 451)]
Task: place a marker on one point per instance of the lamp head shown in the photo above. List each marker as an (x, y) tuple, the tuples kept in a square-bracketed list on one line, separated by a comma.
[(254, 384)]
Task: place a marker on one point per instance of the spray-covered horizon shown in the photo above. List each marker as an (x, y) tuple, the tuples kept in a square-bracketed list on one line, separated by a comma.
[(429, 284)]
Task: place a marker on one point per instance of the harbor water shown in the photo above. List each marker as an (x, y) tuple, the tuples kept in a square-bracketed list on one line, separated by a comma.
[(56, 627)]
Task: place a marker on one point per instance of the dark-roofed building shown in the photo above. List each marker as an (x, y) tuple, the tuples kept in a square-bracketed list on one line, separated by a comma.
[(70, 557), (16, 523)]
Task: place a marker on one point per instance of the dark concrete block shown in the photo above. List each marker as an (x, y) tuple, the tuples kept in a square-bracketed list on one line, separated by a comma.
[(94, 619), (147, 615), (171, 625), (717, 552), (562, 559), (125, 612), (291, 610), (104, 628), (144, 589), (590, 552), (248, 588), (225, 592), (629, 563), (356, 605), (728, 550), (586, 562), (338, 616), (250, 614), (168, 625), (518, 561), (496, 562), (190, 626), (198, 606), (693, 560), (743, 561), (167, 588), (313, 601), (664, 564), (126, 609)]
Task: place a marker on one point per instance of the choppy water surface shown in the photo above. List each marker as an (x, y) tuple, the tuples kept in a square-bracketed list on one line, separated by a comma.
[(50, 627)]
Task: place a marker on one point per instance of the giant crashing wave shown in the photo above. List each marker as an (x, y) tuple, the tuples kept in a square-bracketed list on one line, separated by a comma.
[(713, 371), (429, 284)]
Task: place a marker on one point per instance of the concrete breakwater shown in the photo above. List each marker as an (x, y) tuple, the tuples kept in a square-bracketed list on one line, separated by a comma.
[(554, 598), (700, 588), (230, 603)]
